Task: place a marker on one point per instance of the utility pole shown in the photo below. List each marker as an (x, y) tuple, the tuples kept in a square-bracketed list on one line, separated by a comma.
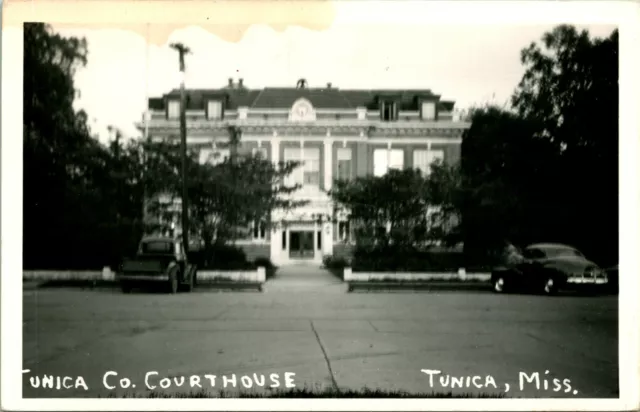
[(182, 51)]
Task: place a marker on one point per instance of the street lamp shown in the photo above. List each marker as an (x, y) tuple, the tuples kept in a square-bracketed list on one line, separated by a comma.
[(182, 51)]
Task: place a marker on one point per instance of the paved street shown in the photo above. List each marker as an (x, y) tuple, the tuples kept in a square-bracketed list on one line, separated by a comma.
[(309, 326)]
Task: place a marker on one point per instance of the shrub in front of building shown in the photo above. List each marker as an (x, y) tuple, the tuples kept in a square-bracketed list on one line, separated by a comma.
[(232, 258), (403, 258), (335, 265)]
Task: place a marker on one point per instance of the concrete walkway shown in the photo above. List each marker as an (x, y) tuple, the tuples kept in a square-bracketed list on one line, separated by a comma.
[(304, 278)]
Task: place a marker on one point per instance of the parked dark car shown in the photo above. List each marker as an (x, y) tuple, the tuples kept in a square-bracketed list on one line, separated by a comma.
[(158, 260), (548, 268)]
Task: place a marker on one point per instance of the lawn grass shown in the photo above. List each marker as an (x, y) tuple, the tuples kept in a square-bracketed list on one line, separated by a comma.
[(315, 393)]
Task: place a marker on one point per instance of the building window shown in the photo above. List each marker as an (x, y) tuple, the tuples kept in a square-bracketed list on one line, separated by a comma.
[(219, 156), (380, 162), (284, 240), (434, 218), (389, 111), (319, 239), (260, 152), (423, 159), (428, 111), (384, 159), (396, 159), (420, 161), (292, 154), (434, 156), (309, 173), (173, 111), (344, 231), (259, 230), (312, 167), (344, 164), (205, 155), (213, 156), (214, 110)]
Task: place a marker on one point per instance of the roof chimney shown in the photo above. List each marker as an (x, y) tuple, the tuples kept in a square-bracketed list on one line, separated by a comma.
[(240, 81), (230, 81), (329, 85)]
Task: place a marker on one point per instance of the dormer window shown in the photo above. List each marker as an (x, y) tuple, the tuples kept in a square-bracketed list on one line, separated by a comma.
[(214, 110), (428, 110), (173, 109), (388, 110)]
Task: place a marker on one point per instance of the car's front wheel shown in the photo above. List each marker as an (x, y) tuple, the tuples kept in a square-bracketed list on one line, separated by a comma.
[(499, 284), (550, 286)]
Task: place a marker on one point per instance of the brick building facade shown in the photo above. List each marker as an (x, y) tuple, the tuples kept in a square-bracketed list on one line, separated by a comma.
[(336, 133)]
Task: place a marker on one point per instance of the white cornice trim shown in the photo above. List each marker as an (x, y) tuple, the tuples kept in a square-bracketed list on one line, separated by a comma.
[(201, 139), (328, 123), (287, 110), (249, 111), (415, 140), (339, 111)]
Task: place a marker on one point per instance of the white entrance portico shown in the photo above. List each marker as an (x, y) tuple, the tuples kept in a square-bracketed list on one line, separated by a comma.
[(302, 235)]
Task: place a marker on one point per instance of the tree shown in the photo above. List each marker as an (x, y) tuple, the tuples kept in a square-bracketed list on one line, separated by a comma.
[(570, 93), (385, 209), (546, 171), (225, 197), (446, 192), (82, 199), (60, 157), (505, 178)]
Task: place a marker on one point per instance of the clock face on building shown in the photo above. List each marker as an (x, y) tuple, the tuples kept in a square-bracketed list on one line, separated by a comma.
[(302, 110)]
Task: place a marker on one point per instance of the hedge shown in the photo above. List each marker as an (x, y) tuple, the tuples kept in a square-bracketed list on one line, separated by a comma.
[(398, 259), (227, 257)]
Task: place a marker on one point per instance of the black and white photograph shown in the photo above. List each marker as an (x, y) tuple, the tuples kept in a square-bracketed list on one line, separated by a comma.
[(243, 202)]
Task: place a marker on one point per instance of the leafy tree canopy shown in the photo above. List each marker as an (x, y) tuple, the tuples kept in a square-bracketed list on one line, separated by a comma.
[(223, 197), (548, 171), (81, 200)]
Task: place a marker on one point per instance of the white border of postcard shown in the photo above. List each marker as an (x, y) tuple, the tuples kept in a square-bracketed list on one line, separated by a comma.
[(624, 14)]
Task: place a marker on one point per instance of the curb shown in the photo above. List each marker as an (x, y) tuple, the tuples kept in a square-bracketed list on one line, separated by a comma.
[(417, 286), (110, 284)]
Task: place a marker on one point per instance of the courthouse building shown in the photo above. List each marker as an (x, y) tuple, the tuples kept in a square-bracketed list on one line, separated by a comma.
[(336, 133)]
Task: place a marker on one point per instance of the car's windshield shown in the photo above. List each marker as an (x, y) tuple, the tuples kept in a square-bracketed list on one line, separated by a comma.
[(533, 253), (159, 247)]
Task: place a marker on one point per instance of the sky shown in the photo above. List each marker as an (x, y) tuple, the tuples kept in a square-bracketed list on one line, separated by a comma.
[(467, 64)]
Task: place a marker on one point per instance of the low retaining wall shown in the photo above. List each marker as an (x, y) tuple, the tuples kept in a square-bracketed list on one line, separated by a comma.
[(49, 275), (255, 276), (462, 275)]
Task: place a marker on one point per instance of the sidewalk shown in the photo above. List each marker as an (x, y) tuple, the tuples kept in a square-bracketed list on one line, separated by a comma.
[(304, 278)]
